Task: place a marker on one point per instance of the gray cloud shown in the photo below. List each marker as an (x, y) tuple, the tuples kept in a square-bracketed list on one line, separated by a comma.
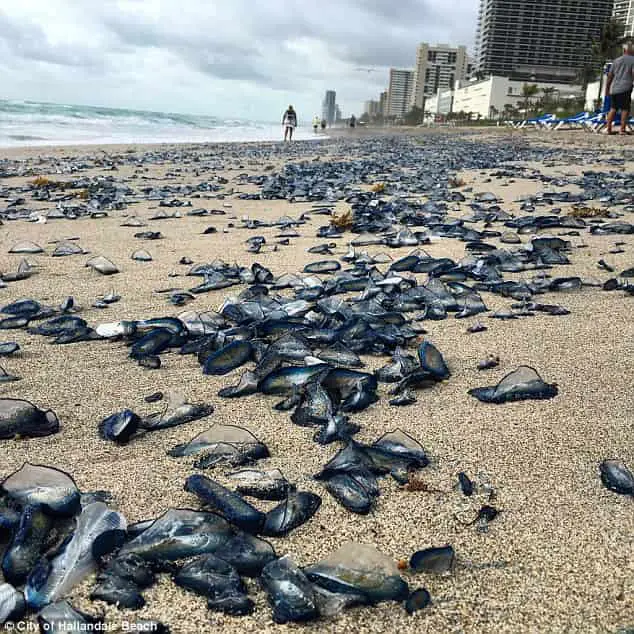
[(216, 56), (28, 41)]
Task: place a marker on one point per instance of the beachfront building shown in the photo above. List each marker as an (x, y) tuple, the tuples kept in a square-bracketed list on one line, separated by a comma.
[(489, 98), (371, 108), (383, 103), (441, 103), (328, 107), (471, 66), (540, 40), (399, 92), (624, 11), (438, 68)]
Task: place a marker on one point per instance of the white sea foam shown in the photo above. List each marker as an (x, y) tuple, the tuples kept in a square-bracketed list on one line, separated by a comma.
[(25, 123)]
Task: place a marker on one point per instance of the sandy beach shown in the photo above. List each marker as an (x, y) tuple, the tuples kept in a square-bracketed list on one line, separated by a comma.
[(559, 556)]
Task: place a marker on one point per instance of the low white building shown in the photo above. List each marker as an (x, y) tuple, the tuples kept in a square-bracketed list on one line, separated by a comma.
[(489, 97), (441, 102)]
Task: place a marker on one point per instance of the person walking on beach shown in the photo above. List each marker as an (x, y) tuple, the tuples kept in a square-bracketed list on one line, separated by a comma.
[(619, 86), (316, 121), (353, 121), (289, 121)]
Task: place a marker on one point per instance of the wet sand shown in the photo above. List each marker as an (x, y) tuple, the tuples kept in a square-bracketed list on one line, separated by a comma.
[(562, 546)]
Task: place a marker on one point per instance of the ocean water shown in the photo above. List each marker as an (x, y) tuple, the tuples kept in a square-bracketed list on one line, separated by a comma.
[(29, 123)]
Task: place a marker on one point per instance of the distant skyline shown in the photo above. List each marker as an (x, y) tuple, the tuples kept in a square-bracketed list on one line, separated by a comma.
[(244, 59)]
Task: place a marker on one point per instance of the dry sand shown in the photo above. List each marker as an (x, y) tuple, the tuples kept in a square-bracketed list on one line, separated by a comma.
[(567, 541)]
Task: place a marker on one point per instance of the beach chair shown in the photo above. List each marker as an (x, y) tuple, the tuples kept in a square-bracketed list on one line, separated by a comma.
[(575, 121), (538, 122), (599, 121)]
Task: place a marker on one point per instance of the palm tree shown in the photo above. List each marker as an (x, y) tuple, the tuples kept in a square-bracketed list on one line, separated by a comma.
[(607, 46), (528, 91), (586, 74), (508, 111), (414, 116), (547, 97)]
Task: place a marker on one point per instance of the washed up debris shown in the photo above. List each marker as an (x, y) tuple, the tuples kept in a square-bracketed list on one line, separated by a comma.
[(617, 477), (23, 419), (521, 384)]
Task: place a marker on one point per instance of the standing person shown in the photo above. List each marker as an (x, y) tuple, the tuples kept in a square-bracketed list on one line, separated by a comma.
[(316, 122), (619, 86), (289, 121), (353, 121), (323, 124)]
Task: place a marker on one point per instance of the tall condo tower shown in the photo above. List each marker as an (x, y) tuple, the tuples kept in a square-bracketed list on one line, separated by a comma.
[(438, 67), (328, 107), (624, 11), (399, 92), (540, 40)]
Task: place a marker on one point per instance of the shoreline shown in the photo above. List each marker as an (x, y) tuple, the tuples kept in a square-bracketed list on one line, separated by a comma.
[(567, 137), (96, 147)]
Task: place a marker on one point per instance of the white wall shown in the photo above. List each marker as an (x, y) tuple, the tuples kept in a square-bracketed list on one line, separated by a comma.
[(592, 92), (431, 104), (479, 97), (475, 97), (440, 103)]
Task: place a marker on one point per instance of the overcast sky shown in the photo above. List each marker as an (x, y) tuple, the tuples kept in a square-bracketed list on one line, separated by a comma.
[(240, 58)]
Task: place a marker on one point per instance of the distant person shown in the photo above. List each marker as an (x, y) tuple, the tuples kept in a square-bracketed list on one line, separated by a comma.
[(316, 122), (323, 124), (619, 87), (353, 121), (289, 121)]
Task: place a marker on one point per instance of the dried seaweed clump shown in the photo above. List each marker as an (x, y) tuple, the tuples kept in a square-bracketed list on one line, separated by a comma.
[(43, 181), (588, 212), (456, 181), (415, 484), (342, 221)]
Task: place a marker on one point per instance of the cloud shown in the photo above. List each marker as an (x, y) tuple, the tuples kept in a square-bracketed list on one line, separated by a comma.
[(218, 56), (28, 41), (238, 58)]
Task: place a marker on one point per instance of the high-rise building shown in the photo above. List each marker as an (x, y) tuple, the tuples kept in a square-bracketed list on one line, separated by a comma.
[(399, 92), (328, 106), (338, 115), (383, 103), (371, 108), (624, 11), (438, 67), (540, 40)]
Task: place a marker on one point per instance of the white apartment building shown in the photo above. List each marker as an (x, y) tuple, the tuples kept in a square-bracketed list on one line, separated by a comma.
[(441, 102), (438, 67), (489, 97), (624, 11), (399, 93)]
